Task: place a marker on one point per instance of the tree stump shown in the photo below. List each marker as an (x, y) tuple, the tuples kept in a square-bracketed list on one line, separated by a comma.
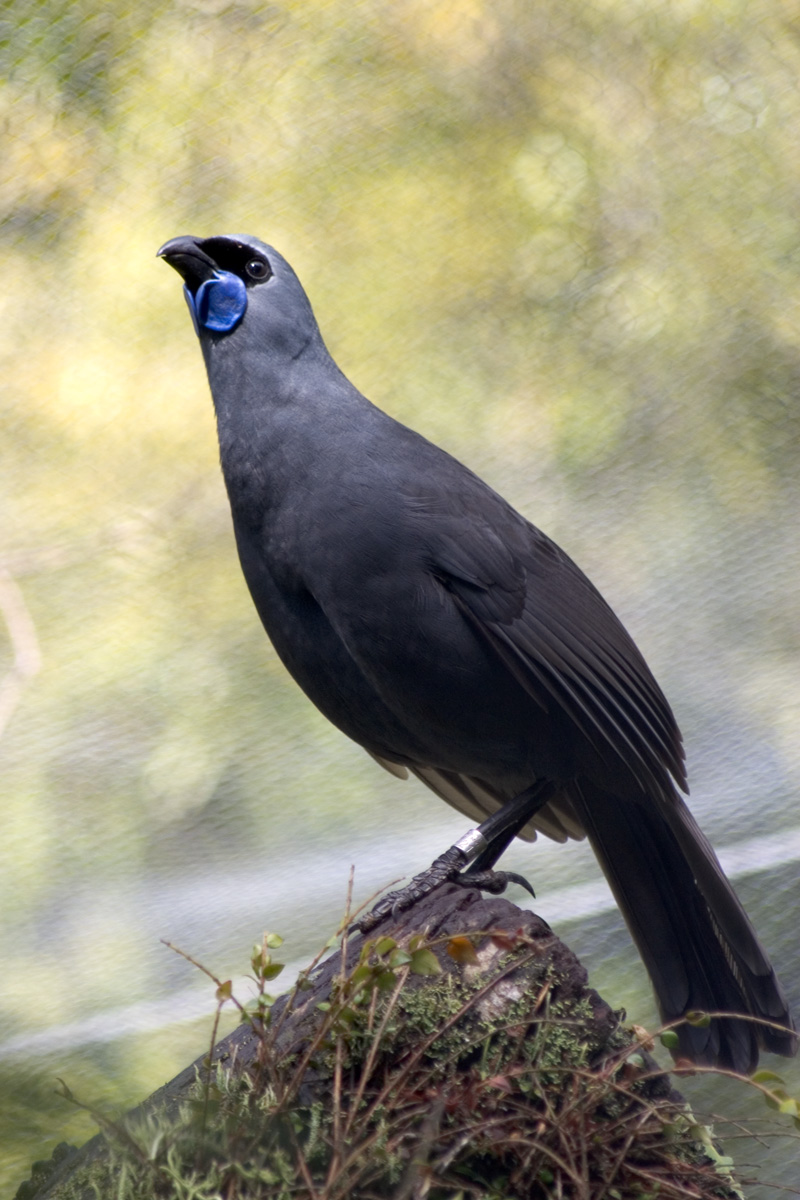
[(455, 1052)]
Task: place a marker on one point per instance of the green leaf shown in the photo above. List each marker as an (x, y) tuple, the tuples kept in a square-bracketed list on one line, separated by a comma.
[(399, 958), (766, 1077), (272, 971), (670, 1039), (700, 1020), (384, 945), (224, 991), (425, 962), (260, 1004), (361, 975), (261, 958), (775, 1098)]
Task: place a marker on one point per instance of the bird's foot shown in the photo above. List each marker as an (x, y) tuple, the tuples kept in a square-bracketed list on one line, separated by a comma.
[(442, 870), (447, 868)]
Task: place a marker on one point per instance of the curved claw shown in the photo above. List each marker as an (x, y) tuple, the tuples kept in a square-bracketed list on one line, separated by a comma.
[(494, 882)]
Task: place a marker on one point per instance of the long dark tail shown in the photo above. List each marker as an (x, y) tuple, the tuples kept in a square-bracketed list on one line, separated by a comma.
[(695, 938)]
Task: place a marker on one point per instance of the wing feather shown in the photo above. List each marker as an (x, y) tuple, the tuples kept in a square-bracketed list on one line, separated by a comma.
[(559, 639)]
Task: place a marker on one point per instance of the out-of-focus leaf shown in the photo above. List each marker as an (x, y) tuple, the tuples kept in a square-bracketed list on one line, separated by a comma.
[(425, 962)]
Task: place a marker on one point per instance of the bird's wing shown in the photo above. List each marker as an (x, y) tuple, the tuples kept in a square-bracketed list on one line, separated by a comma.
[(556, 635), (540, 616)]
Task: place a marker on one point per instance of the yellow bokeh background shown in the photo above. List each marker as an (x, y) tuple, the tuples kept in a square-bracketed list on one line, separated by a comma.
[(560, 239)]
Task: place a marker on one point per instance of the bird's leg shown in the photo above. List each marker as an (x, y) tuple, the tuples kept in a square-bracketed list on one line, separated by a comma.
[(482, 847), (498, 831)]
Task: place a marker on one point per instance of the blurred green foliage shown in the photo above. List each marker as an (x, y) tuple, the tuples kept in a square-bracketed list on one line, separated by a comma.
[(559, 238)]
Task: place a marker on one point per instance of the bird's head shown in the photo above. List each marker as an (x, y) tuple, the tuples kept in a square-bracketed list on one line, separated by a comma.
[(233, 283)]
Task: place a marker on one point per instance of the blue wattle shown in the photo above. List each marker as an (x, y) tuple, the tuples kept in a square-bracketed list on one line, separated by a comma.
[(219, 303)]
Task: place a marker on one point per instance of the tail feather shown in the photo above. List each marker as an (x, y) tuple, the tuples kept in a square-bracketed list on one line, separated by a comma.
[(696, 940)]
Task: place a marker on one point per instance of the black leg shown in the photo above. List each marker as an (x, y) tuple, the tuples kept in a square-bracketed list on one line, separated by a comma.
[(482, 847), (500, 829)]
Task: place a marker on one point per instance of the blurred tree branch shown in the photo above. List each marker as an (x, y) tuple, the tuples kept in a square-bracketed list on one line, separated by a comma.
[(27, 658)]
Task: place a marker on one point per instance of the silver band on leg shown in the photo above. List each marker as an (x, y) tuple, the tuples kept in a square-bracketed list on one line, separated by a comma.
[(471, 844)]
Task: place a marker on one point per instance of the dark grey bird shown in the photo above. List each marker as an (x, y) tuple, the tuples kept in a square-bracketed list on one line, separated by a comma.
[(452, 639)]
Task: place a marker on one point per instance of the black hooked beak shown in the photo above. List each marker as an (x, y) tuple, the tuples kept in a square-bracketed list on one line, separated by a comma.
[(189, 260)]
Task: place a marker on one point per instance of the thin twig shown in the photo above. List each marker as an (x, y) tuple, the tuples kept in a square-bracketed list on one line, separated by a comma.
[(333, 1167), (27, 658), (207, 1088), (215, 979), (375, 1046)]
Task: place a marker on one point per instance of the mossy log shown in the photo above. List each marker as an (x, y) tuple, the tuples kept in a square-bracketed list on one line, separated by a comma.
[(456, 1052)]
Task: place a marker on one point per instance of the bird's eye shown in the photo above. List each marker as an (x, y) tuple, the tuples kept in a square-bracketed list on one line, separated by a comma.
[(257, 268)]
